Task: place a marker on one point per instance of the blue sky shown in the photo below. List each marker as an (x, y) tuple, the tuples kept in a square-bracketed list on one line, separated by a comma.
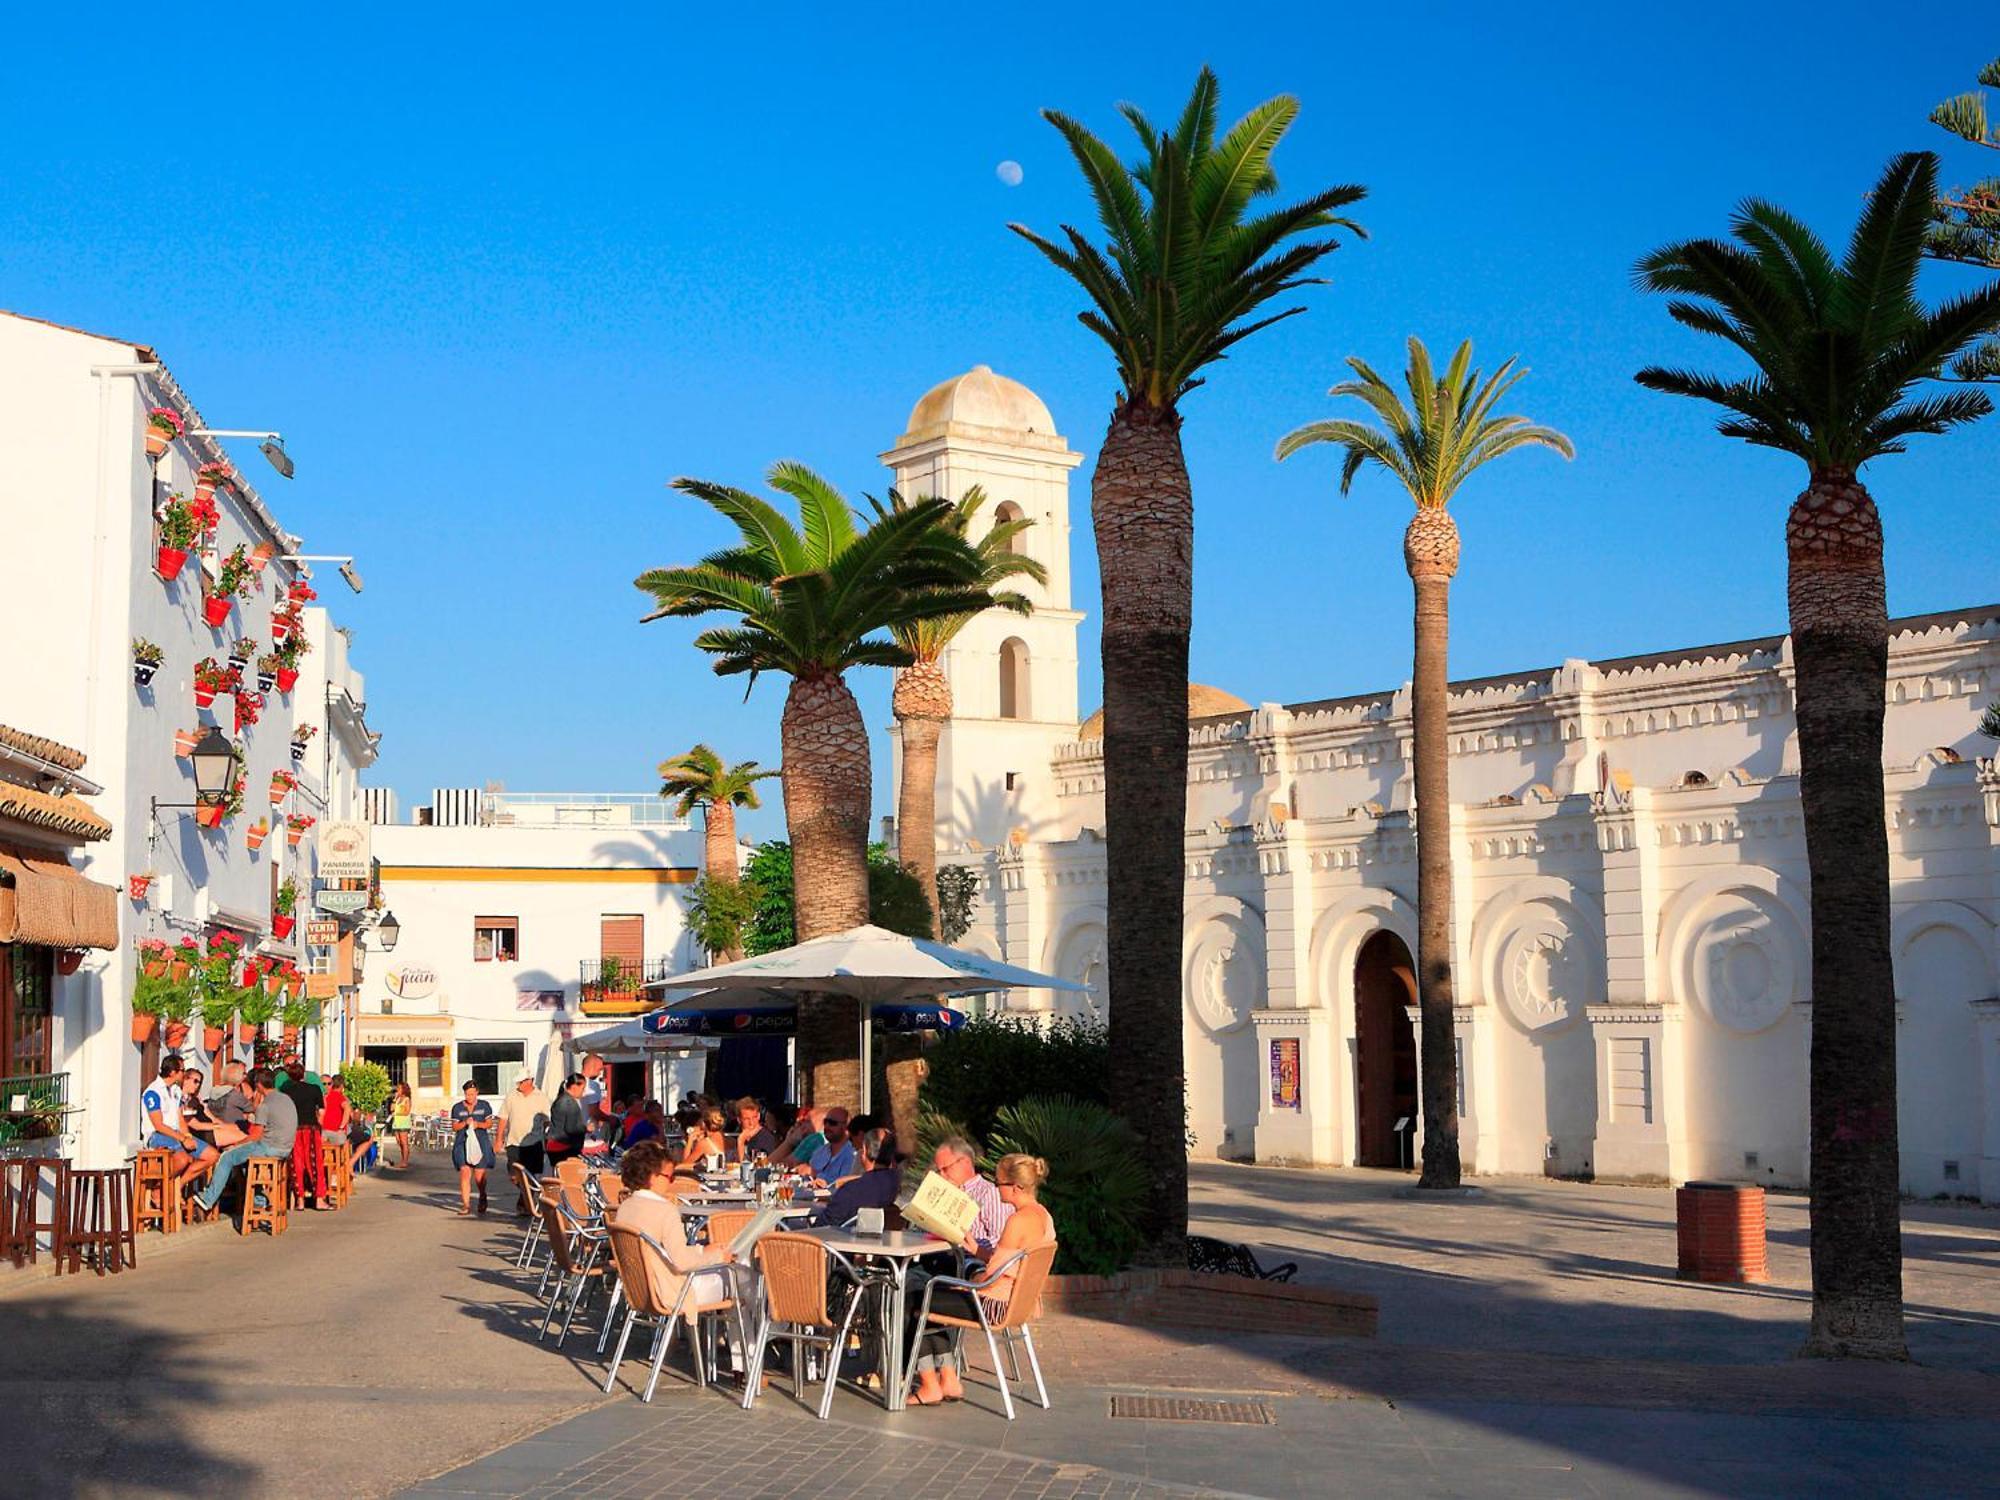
[(499, 273)]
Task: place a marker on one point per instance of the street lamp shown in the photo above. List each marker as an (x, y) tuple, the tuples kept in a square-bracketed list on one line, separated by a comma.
[(273, 444), (347, 569), (387, 931), (214, 764)]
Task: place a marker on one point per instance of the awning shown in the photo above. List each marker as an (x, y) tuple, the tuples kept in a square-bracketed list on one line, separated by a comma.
[(44, 900)]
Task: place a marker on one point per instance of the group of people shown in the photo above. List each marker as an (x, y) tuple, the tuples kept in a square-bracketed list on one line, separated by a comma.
[(256, 1112)]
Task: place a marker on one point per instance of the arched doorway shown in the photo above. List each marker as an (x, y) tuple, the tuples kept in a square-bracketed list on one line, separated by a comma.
[(1385, 1051)]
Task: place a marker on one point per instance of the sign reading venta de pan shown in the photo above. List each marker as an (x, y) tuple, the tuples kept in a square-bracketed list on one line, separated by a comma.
[(344, 852)]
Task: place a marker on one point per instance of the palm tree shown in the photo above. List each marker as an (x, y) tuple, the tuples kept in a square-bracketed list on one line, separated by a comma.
[(922, 701), (1836, 349), (810, 601), (1431, 447), (698, 778), (1185, 274)]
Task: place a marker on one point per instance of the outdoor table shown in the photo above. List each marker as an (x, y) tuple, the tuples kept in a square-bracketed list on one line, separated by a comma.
[(897, 1247)]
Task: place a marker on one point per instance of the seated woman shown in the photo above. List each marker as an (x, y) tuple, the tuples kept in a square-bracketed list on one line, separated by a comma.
[(707, 1141), (648, 1206), (1019, 1178), (197, 1116)]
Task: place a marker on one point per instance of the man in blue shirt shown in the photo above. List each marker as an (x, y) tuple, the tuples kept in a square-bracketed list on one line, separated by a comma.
[(876, 1187), (835, 1157)]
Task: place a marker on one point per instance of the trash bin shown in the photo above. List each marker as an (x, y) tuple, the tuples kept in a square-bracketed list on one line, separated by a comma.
[(1721, 1228)]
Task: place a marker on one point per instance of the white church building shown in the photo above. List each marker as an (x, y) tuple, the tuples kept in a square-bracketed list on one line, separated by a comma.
[(1630, 904)]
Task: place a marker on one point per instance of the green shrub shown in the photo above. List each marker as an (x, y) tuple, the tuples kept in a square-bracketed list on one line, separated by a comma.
[(995, 1061), (367, 1085), (895, 897), (1096, 1190)]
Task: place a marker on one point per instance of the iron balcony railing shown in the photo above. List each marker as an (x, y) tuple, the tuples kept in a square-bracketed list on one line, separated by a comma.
[(33, 1107), (623, 991)]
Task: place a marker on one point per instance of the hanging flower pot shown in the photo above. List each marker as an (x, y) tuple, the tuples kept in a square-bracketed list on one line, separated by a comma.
[(204, 489), (138, 885), (171, 561), (246, 1033), (142, 672), (296, 825), (281, 927), (282, 784), (288, 678), (266, 680), (211, 1038), (261, 555), (273, 982), (184, 740), (142, 1028), (163, 425), (298, 752), (209, 814), (255, 835), (215, 609), (280, 629), (68, 960), (178, 968), (176, 1034), (203, 698)]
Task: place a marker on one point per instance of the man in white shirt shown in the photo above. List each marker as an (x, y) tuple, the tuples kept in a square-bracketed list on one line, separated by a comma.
[(956, 1162), (160, 1108)]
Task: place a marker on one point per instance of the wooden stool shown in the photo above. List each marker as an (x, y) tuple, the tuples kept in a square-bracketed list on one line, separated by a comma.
[(156, 1193), (98, 1226), (268, 1175), (21, 1222), (338, 1160)]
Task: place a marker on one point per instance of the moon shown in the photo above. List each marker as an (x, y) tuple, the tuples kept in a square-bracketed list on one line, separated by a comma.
[(1009, 172)]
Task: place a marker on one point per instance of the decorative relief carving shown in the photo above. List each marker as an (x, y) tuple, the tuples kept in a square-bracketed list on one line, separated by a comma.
[(1549, 963), (1746, 959), (1225, 968)]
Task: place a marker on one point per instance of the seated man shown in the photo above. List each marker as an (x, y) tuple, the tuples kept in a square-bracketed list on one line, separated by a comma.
[(804, 1138), (876, 1187), (835, 1157), (166, 1130), (754, 1138), (958, 1164), (273, 1125)]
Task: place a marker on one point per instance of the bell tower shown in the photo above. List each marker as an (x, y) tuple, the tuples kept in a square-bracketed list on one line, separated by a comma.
[(1013, 677)]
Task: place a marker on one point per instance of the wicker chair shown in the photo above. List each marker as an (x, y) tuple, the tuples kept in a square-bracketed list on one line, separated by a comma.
[(1024, 1303), (726, 1225), (571, 1171), (630, 1252), (530, 1188), (574, 1248), (795, 1270)]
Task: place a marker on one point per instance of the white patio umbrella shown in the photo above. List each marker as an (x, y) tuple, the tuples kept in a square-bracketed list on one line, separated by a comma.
[(870, 964)]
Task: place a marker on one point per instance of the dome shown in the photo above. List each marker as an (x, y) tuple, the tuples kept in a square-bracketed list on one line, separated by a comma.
[(1204, 702), (979, 398)]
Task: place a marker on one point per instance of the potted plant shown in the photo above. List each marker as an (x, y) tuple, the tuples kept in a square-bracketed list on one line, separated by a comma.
[(154, 956), (212, 677), (298, 1013), (288, 654), (248, 707), (283, 906), (177, 1008), (254, 1009), (268, 667), (181, 527), (256, 833), (285, 624), (217, 1010), (283, 784), (163, 427), (299, 593), (208, 476), (137, 886), (210, 811), (301, 739), (184, 742), (261, 555), (296, 825), (184, 959), (146, 659), (149, 993), (232, 576), (616, 984)]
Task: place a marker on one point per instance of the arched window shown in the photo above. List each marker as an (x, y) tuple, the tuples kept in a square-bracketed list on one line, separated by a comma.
[(1014, 678), (1009, 511)]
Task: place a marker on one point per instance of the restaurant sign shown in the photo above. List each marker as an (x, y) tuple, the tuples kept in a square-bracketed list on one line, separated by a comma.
[(411, 981), (344, 849), (341, 900)]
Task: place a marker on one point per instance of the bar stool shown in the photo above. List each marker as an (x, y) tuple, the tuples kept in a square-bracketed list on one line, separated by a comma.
[(156, 1197), (98, 1226), (21, 1222), (339, 1164), (266, 1175)]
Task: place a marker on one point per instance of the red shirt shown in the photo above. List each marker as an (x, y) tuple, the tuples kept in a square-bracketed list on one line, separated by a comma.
[(335, 1110)]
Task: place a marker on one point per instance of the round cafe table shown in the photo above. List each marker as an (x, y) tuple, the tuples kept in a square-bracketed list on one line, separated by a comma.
[(896, 1250)]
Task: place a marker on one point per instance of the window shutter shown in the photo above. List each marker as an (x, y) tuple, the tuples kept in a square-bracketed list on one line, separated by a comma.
[(624, 938)]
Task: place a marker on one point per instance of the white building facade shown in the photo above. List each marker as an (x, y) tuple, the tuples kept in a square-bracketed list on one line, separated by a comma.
[(79, 550), (1630, 902), (512, 906)]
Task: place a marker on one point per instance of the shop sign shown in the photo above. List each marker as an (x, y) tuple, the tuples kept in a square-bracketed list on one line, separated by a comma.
[(341, 900), (400, 1035), (344, 849), (321, 987), (411, 981), (322, 932)]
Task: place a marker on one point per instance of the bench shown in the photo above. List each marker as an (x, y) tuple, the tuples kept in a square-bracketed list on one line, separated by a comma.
[(1220, 1258)]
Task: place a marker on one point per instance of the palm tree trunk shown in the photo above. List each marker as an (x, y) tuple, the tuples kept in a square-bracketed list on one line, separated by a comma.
[(718, 859), (922, 703), (1430, 551), (1840, 657), (1142, 509), (826, 785)]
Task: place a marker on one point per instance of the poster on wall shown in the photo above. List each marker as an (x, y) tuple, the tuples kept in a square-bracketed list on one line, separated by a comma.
[(1285, 1073)]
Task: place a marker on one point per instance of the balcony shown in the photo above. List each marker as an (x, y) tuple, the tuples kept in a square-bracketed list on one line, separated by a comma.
[(623, 994)]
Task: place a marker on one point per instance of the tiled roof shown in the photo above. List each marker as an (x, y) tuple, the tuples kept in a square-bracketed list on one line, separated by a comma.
[(66, 815), (49, 750)]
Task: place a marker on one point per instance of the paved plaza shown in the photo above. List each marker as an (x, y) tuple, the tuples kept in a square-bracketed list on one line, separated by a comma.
[(1533, 1342)]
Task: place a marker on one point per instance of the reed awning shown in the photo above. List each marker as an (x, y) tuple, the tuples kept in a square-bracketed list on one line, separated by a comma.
[(43, 899)]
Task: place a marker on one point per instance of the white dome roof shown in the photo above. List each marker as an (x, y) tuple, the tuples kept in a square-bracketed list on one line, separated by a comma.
[(979, 398)]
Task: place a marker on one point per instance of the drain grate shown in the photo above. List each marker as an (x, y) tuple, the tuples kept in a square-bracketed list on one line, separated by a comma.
[(1184, 1409)]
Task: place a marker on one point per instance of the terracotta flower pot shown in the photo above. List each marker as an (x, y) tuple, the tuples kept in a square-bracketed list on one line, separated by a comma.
[(209, 814), (137, 885), (246, 1033), (281, 630), (211, 1038), (279, 791), (260, 555), (215, 610), (204, 489), (281, 927), (273, 983), (184, 743), (177, 967), (142, 1028), (203, 698), (288, 678), (172, 559), (255, 835), (157, 441), (153, 968), (175, 1034)]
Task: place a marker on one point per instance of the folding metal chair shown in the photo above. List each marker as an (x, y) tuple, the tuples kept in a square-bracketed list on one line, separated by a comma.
[(795, 1272), (1023, 1306), (630, 1249)]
